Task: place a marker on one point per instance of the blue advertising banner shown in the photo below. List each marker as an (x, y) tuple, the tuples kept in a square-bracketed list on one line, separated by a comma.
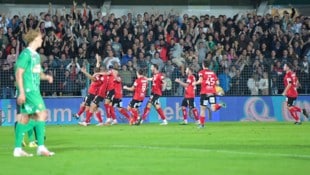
[(249, 108), (260, 108)]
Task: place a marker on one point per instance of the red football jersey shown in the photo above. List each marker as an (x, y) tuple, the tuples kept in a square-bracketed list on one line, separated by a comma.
[(118, 88), (140, 85), (95, 85), (208, 83), (158, 81), (102, 92), (110, 81), (190, 89), (291, 78)]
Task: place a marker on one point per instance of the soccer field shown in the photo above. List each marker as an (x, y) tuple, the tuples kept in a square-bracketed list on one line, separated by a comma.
[(220, 148)]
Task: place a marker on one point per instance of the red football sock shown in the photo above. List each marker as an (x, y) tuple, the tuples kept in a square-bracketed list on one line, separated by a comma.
[(98, 115), (131, 112), (296, 108), (82, 109), (146, 112), (124, 113), (294, 114), (135, 114), (202, 120), (195, 113), (161, 113), (107, 110), (217, 107), (184, 112), (88, 116), (112, 113)]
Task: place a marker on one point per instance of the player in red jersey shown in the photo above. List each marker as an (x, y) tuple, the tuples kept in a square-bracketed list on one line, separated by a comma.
[(112, 75), (109, 78), (92, 91), (189, 95), (117, 99), (139, 87), (208, 81), (101, 95), (157, 86), (291, 84), (96, 81)]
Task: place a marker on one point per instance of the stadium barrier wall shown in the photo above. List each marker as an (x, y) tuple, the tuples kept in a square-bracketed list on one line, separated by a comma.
[(239, 108)]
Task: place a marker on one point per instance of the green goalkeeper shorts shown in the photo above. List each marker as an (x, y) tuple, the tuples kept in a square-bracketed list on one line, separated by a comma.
[(34, 103)]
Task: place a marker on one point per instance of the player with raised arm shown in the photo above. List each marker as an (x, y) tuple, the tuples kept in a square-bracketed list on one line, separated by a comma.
[(139, 88), (92, 90), (111, 75), (291, 84), (158, 85), (100, 96), (189, 95), (97, 81), (208, 81), (117, 100)]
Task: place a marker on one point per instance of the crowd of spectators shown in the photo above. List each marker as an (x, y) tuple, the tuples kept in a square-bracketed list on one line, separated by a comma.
[(247, 51)]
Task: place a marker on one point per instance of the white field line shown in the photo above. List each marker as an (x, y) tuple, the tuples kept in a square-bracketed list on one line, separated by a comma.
[(223, 151), (211, 151)]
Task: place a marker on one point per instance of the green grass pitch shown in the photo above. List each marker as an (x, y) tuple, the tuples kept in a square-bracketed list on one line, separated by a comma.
[(224, 148)]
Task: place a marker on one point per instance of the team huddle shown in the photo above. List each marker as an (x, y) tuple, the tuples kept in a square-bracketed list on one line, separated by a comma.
[(106, 86)]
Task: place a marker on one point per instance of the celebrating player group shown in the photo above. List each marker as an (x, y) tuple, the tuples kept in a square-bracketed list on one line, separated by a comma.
[(106, 86)]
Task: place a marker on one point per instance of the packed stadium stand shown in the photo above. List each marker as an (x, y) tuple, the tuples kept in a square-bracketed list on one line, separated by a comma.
[(247, 49)]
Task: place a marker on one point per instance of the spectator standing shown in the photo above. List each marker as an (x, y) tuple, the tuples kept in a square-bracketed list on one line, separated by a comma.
[(127, 57), (253, 84), (264, 84), (225, 80), (157, 60), (111, 59), (7, 81)]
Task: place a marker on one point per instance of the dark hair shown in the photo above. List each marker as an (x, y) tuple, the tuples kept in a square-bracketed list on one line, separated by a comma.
[(140, 71), (206, 63), (289, 65), (111, 67), (156, 66), (190, 68), (96, 69)]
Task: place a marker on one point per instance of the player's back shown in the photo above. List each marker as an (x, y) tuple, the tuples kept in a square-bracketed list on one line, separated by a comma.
[(291, 78), (140, 85), (95, 85), (102, 91), (190, 89), (157, 84), (118, 88), (209, 80), (110, 81)]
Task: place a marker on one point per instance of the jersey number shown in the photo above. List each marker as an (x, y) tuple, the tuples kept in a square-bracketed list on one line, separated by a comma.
[(210, 81)]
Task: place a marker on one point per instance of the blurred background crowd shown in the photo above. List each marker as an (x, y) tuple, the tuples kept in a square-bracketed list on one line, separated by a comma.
[(247, 51)]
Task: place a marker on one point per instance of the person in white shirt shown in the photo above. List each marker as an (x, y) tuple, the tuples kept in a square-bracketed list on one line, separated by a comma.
[(48, 22), (110, 60), (263, 84), (253, 84)]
